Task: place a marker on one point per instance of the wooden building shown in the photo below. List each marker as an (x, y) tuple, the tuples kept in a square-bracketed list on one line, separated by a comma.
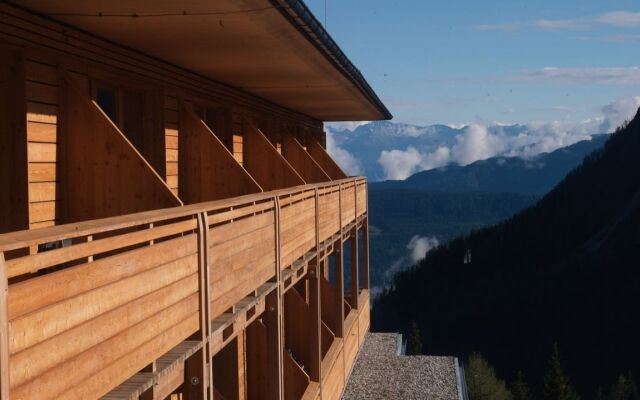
[(171, 223)]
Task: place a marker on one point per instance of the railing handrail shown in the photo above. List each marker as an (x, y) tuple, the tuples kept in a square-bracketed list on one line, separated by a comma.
[(25, 238)]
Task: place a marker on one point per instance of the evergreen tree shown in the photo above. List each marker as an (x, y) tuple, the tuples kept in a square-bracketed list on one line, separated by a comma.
[(624, 389), (482, 382), (414, 342), (520, 388), (556, 384)]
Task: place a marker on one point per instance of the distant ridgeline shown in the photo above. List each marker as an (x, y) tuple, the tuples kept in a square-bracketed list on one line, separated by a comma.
[(448, 202), (535, 175), (566, 270)]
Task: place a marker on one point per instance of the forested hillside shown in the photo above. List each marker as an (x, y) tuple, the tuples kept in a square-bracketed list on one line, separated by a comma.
[(566, 270), (396, 216)]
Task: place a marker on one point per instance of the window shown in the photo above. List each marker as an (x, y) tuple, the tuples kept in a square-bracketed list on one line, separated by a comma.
[(106, 99), (125, 107), (132, 117)]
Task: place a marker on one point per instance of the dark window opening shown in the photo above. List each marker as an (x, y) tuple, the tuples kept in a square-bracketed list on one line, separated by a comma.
[(106, 99), (132, 117)]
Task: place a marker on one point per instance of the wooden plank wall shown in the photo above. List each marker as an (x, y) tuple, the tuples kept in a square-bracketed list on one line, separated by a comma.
[(42, 122), (325, 161), (104, 175), (172, 141), (265, 164), (47, 46), (208, 170), (13, 143), (302, 162), (237, 124)]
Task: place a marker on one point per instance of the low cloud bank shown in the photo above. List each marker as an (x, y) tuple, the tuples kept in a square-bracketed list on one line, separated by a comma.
[(417, 248), (478, 142), (347, 161)]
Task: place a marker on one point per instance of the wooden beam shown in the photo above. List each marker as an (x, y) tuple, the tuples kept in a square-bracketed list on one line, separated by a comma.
[(195, 385), (274, 330), (315, 342), (208, 170), (226, 378), (103, 175), (297, 326), (325, 161), (14, 199), (354, 270), (296, 380), (339, 288), (199, 374), (268, 167), (257, 361), (304, 164), (4, 332), (365, 254)]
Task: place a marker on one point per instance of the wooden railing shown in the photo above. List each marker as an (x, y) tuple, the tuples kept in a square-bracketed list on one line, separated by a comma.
[(85, 306)]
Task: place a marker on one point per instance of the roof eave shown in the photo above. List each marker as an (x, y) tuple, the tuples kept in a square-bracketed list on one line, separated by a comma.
[(303, 19)]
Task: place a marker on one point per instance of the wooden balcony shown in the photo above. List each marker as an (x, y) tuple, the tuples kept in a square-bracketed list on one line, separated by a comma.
[(209, 300)]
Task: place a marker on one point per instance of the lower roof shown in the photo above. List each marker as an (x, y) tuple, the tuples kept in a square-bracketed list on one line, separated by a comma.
[(274, 49)]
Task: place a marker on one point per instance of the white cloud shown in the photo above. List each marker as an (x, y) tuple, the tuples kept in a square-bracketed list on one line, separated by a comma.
[(620, 19), (400, 164), (346, 125), (347, 161), (626, 19), (561, 24), (421, 245), (616, 113), (478, 142), (621, 38), (605, 75), (417, 248)]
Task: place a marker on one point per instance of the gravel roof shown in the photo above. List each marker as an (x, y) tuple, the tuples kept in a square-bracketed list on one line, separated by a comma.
[(379, 373)]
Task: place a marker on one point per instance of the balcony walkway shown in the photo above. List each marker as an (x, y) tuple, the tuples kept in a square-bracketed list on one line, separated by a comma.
[(103, 310)]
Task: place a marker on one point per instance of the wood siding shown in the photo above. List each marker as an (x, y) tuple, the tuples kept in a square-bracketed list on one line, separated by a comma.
[(46, 49)]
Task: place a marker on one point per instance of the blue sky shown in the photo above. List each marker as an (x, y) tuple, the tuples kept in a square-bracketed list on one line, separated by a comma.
[(511, 61)]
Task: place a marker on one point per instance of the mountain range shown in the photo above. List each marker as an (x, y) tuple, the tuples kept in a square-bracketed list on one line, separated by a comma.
[(534, 175), (562, 271), (379, 148)]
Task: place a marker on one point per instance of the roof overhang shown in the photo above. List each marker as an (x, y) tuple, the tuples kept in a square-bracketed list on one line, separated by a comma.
[(274, 49)]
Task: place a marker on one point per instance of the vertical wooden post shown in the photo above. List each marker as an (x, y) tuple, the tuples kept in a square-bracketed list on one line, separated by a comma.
[(198, 377), (365, 239), (339, 299), (4, 332), (339, 272), (315, 343), (274, 323), (354, 268), (315, 351), (241, 348), (195, 386)]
